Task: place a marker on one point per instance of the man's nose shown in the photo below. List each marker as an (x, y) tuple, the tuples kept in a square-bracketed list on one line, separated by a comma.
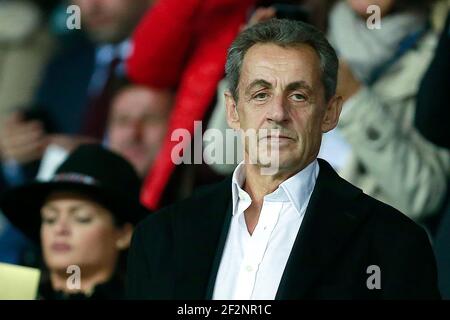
[(136, 129), (278, 112)]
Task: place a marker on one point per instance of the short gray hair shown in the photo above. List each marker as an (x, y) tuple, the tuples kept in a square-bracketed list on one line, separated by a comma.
[(285, 33)]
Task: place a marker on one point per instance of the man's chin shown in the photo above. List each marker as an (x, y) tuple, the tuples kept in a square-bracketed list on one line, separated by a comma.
[(284, 163)]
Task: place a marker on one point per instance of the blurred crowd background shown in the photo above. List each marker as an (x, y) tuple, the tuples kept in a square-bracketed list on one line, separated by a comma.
[(138, 70)]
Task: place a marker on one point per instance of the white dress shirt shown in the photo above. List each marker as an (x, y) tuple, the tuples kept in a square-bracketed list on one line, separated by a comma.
[(252, 265)]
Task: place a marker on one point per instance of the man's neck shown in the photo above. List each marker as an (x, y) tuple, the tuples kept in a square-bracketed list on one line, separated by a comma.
[(258, 185)]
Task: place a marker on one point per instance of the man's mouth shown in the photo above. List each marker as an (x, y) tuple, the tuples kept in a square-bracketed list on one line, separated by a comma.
[(277, 137)]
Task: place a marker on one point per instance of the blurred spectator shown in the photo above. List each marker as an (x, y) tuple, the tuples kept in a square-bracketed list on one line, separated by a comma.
[(376, 145), (73, 97), (76, 88), (93, 64), (183, 45), (138, 123), (83, 217), (25, 47), (136, 129)]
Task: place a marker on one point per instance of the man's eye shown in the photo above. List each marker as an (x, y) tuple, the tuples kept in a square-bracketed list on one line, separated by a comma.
[(260, 96), (298, 97)]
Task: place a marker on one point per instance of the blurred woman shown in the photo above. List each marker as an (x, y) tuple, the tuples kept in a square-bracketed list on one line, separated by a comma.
[(83, 219)]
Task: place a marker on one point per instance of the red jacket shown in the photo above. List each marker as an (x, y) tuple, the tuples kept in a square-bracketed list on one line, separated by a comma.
[(183, 45)]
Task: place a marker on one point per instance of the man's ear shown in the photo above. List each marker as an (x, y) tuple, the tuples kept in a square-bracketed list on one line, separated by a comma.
[(331, 117), (232, 114)]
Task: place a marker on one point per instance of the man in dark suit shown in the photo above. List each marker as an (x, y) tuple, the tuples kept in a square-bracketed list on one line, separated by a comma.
[(297, 232)]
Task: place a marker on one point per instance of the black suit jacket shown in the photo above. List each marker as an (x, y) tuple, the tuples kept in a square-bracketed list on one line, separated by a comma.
[(176, 252)]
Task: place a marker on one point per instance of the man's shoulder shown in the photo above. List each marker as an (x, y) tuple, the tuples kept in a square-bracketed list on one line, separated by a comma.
[(385, 227), (201, 199), (378, 214), (386, 221)]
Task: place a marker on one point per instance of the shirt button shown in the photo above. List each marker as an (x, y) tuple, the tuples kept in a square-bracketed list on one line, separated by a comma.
[(249, 268)]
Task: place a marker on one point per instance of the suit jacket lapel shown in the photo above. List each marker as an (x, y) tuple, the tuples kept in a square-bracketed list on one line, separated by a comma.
[(328, 224), (219, 252), (197, 233), (200, 234)]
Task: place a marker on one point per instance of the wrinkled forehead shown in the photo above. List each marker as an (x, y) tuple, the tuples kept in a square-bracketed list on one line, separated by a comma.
[(280, 65)]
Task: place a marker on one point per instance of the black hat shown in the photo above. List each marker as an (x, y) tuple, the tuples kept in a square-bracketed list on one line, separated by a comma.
[(92, 170)]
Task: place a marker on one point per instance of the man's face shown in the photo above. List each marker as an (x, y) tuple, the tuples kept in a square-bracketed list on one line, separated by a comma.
[(138, 123), (110, 21), (281, 88)]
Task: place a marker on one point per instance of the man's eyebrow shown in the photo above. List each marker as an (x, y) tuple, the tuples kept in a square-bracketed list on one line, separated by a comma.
[(298, 85), (258, 83)]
